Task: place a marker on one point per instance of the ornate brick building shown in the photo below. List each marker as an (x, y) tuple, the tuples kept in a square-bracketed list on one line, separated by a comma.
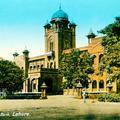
[(59, 36)]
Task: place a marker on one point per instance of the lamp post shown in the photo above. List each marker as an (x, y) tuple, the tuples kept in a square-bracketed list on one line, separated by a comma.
[(43, 88), (109, 86), (79, 87)]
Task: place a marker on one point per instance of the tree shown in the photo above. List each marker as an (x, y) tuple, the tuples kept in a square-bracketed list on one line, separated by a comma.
[(11, 76), (76, 66), (111, 44)]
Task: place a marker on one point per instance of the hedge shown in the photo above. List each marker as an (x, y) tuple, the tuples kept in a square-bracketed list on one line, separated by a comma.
[(28, 95), (109, 97)]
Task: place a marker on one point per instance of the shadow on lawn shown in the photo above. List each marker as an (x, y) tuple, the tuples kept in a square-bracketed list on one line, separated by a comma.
[(76, 117)]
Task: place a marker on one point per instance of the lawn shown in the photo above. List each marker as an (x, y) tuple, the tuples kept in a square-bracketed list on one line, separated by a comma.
[(58, 108)]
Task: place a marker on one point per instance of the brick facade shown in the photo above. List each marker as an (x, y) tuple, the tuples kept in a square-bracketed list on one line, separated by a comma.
[(60, 35)]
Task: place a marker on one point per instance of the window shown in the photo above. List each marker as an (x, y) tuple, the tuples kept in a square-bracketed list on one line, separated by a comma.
[(54, 64), (47, 65), (51, 65), (94, 84), (101, 84), (42, 66), (30, 67), (34, 86), (51, 46), (100, 57)]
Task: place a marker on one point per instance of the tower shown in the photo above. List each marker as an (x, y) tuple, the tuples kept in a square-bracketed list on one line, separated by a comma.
[(59, 34)]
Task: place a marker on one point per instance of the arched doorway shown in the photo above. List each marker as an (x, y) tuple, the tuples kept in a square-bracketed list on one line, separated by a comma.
[(49, 83), (101, 84)]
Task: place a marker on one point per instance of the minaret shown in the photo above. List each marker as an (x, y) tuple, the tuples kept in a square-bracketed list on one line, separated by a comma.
[(15, 54), (72, 26), (90, 36), (26, 53), (47, 27), (26, 58)]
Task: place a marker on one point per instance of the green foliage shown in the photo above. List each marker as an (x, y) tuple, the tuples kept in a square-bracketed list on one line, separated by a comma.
[(11, 76), (111, 43), (112, 97), (77, 65)]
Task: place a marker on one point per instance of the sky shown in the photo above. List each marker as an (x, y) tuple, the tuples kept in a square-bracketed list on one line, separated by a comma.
[(22, 21)]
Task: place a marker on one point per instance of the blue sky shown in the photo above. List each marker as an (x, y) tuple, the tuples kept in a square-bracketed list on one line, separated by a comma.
[(22, 21)]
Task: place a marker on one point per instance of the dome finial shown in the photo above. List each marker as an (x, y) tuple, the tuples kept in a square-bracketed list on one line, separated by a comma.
[(25, 47), (91, 34), (60, 5), (59, 14)]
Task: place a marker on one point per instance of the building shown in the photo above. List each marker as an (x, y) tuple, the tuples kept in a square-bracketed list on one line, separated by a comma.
[(59, 36)]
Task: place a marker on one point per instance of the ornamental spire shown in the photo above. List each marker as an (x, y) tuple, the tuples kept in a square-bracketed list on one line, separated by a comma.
[(60, 5)]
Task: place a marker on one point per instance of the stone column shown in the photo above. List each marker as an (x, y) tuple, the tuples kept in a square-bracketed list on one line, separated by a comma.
[(105, 85), (90, 86), (97, 85)]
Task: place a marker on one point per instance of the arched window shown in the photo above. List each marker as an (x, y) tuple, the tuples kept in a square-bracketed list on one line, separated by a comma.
[(42, 66), (51, 65), (34, 86), (54, 64), (100, 57), (47, 65), (94, 84), (51, 46), (101, 84), (30, 67)]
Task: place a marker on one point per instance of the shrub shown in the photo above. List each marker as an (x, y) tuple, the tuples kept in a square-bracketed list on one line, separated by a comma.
[(28, 95), (109, 97)]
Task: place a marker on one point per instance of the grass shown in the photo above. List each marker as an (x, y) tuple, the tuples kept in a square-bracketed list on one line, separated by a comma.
[(58, 113), (60, 108)]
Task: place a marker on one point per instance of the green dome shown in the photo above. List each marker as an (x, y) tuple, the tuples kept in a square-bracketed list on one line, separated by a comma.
[(60, 14)]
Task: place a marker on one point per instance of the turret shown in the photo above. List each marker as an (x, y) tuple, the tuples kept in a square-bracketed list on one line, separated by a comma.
[(26, 53), (15, 55), (90, 36), (72, 26), (47, 26)]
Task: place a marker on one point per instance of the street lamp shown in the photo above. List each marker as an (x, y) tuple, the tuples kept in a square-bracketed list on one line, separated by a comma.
[(79, 86), (43, 88), (109, 86)]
